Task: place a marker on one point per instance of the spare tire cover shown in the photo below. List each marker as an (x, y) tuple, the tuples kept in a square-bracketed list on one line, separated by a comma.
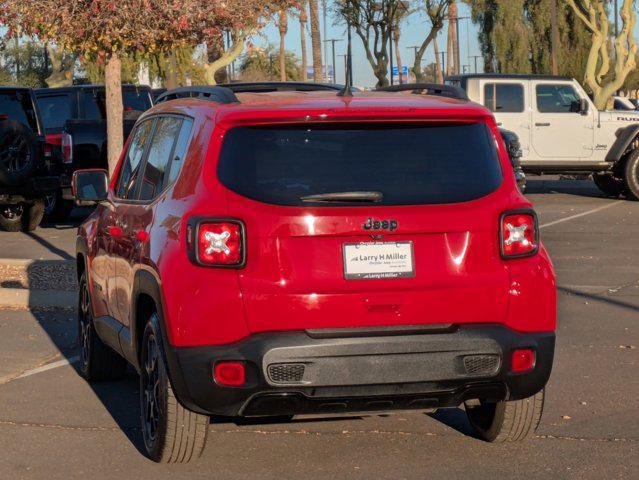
[(18, 153)]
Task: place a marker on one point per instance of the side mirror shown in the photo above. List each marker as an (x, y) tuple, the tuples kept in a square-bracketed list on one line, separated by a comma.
[(90, 186), (583, 106)]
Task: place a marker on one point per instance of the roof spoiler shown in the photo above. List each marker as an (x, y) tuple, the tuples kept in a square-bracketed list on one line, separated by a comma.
[(436, 89), (212, 93)]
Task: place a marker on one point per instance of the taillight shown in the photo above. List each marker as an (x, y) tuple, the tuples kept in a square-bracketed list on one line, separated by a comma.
[(66, 144), (519, 234), (217, 243)]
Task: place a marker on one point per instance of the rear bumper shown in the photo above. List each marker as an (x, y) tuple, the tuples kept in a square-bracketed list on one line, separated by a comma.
[(357, 370)]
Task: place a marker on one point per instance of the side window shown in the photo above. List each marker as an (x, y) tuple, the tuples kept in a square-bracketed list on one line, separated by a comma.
[(504, 97), (557, 99), (93, 105), (180, 152), (132, 163), (160, 150)]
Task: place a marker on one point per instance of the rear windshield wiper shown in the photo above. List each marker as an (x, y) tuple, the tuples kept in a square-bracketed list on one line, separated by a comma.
[(345, 197)]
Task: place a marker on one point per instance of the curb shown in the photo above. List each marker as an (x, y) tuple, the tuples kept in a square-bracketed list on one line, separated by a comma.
[(26, 262), (30, 299)]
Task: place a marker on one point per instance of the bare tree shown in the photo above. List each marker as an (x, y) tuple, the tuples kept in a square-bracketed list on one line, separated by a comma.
[(372, 21), (436, 10), (599, 76)]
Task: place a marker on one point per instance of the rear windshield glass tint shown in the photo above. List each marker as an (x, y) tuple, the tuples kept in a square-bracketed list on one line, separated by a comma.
[(408, 164), (132, 100), (18, 106), (55, 110)]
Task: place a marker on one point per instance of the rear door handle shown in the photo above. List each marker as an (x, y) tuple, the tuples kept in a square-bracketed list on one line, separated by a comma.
[(545, 124)]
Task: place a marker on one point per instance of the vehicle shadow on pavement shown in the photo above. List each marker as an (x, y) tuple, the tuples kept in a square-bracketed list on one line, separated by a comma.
[(599, 298), (454, 418), (581, 188)]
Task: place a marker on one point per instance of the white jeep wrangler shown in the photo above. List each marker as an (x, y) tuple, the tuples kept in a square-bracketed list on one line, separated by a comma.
[(559, 128)]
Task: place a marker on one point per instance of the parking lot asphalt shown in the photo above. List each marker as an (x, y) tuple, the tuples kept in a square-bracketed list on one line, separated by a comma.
[(54, 425)]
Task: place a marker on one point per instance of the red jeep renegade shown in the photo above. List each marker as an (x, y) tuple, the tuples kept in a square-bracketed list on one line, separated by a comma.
[(275, 254)]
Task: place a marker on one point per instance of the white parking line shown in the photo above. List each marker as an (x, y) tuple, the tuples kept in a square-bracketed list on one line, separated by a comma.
[(43, 368), (583, 214)]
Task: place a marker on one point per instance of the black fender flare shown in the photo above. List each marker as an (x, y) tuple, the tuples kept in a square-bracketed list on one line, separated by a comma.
[(147, 284), (625, 137)]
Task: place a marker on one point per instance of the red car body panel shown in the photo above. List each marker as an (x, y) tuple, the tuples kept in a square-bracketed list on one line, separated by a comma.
[(293, 278)]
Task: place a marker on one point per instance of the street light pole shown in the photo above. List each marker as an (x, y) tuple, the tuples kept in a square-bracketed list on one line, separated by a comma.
[(345, 55), (475, 57), (333, 40), (443, 54)]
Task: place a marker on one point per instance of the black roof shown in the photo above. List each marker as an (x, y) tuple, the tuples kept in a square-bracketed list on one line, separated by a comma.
[(88, 87), (518, 76), (13, 89)]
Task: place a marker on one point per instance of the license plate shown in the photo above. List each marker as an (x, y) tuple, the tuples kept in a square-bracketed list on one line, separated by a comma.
[(373, 260)]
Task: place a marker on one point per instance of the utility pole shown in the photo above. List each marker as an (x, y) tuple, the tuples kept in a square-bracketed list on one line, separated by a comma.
[(333, 40), (554, 36), (345, 55), (391, 59), (325, 36), (475, 57), (443, 54)]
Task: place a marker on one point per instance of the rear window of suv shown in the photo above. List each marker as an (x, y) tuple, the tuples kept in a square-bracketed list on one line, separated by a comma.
[(18, 106), (410, 164)]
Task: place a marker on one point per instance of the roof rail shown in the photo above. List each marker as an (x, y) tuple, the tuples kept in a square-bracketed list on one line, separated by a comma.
[(266, 87), (432, 88), (213, 93)]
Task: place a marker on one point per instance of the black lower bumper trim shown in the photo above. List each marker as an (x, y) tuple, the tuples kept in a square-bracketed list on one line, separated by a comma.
[(352, 374)]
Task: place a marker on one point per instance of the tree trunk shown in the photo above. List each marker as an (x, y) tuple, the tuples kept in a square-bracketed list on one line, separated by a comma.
[(61, 71), (214, 51), (398, 55), (114, 110), (171, 74), (451, 57), (303, 20), (283, 28), (316, 41), (231, 54), (438, 63)]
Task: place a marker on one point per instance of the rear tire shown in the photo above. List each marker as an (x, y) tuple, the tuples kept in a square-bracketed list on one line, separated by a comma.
[(609, 184), (507, 421), (57, 209), (33, 215), (21, 217), (11, 217), (632, 174), (172, 434), (97, 361)]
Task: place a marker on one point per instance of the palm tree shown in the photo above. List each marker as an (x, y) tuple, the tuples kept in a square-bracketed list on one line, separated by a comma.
[(283, 27), (316, 41), (303, 20)]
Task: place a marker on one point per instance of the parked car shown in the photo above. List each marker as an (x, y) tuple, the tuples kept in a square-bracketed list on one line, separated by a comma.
[(560, 129), (74, 120), (28, 171), (314, 252)]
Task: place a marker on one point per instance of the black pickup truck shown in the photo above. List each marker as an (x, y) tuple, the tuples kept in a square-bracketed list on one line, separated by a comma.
[(74, 121), (28, 170)]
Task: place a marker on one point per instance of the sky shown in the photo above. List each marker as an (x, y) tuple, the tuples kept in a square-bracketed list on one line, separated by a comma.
[(413, 31)]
